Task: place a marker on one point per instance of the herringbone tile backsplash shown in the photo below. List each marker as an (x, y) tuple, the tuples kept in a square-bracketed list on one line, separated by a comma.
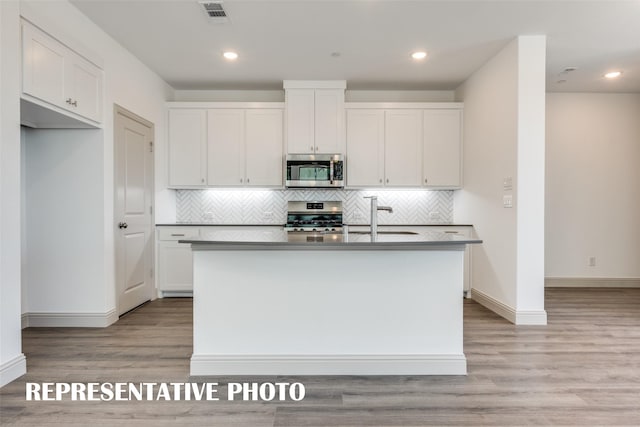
[(270, 206)]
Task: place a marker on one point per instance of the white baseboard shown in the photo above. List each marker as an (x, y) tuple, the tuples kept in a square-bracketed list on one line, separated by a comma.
[(591, 282), (173, 294), (69, 320), (419, 364), (517, 317), (13, 369), (25, 320), (533, 317)]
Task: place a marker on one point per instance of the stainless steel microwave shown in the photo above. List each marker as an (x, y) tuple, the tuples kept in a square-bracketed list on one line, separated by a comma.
[(315, 170)]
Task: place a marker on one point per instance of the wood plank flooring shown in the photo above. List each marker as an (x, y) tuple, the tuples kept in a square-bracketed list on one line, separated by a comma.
[(582, 369)]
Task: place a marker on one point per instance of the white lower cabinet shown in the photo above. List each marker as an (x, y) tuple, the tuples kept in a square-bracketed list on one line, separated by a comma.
[(465, 231), (175, 260), (461, 230)]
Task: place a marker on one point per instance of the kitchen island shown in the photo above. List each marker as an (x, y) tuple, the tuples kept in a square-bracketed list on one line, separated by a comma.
[(267, 305)]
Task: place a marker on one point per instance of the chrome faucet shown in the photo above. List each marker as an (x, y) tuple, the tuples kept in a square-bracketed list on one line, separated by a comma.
[(374, 215)]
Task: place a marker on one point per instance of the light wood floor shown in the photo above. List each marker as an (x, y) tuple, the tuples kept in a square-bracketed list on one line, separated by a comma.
[(582, 369)]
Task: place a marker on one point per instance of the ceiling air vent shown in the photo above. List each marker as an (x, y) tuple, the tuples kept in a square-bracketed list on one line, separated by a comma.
[(215, 11)]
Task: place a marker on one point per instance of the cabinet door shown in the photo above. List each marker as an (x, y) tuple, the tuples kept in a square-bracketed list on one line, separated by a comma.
[(403, 148), (44, 64), (263, 147), (442, 148), (300, 110), (365, 148), (329, 118), (175, 269), (84, 84), (225, 147), (187, 147)]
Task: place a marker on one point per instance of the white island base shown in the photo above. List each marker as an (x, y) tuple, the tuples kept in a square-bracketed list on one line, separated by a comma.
[(298, 311)]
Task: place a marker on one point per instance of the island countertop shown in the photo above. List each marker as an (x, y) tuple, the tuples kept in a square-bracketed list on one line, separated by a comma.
[(350, 240)]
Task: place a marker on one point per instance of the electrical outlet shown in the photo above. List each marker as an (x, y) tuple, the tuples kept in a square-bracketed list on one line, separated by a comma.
[(592, 261), (208, 217), (507, 201), (267, 215), (434, 216), (357, 216)]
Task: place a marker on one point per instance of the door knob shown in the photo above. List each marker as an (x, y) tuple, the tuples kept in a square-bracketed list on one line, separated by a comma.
[(122, 225)]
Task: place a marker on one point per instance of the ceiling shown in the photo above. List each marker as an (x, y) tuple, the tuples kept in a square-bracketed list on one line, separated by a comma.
[(373, 39)]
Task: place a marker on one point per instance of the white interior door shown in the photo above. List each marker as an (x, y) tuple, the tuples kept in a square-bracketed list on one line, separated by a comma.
[(133, 210)]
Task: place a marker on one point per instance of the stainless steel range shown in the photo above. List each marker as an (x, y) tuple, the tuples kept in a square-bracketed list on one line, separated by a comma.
[(314, 221)]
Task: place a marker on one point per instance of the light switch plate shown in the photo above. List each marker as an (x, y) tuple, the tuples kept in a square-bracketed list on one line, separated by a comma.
[(507, 201), (507, 183)]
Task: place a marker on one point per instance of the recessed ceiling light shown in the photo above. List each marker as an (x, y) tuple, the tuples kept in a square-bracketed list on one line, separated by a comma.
[(230, 55), (419, 55), (613, 74)]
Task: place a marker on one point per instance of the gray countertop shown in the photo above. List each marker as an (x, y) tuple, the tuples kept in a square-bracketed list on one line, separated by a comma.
[(280, 239), (194, 224)]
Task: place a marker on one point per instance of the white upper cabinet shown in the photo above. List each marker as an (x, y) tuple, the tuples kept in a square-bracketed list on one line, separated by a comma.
[(187, 148), (314, 116), (59, 77), (85, 88), (403, 148), (215, 146), (442, 149), (365, 148), (225, 146), (245, 147), (300, 107), (384, 148), (404, 145), (263, 147), (329, 118), (44, 64)]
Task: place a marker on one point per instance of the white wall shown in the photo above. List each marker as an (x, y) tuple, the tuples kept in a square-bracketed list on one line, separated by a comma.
[(399, 95), (350, 95), (593, 185), (64, 222), (529, 194), (229, 95), (503, 130), (12, 361), (75, 170)]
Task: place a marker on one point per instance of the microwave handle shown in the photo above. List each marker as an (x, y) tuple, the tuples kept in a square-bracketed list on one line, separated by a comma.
[(331, 172)]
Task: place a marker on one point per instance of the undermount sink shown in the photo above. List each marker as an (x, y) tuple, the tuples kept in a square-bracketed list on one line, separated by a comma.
[(385, 232)]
